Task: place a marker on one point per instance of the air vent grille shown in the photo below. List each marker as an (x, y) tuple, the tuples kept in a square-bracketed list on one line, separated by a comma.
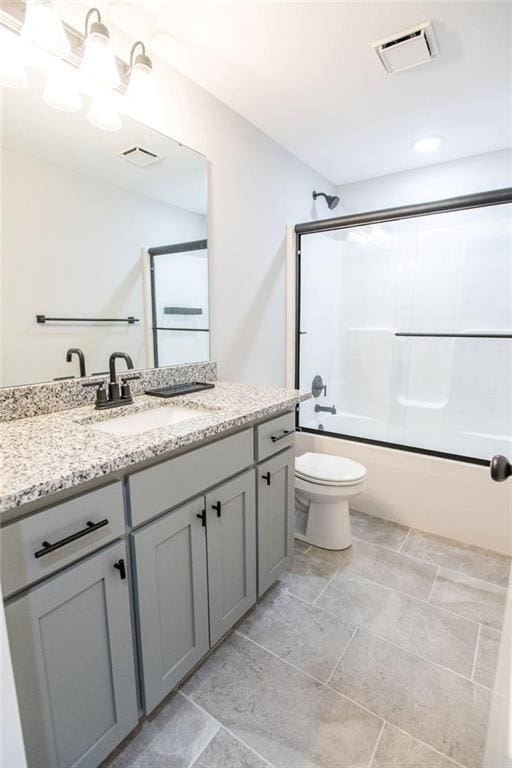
[(140, 156), (408, 48)]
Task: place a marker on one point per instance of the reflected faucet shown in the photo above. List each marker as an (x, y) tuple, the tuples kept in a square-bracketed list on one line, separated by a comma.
[(81, 359)]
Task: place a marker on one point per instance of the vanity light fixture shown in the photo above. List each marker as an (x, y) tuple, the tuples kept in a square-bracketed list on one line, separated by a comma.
[(103, 112), (12, 60), (44, 29), (427, 144), (99, 63), (141, 69)]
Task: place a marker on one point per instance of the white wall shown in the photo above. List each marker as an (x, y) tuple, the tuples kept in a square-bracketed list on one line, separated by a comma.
[(433, 182), (79, 254)]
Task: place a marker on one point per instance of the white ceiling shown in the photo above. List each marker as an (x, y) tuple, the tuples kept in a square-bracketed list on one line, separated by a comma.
[(305, 74), (30, 126)]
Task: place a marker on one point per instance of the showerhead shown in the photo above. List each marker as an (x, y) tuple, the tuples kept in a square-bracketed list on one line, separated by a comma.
[(331, 200)]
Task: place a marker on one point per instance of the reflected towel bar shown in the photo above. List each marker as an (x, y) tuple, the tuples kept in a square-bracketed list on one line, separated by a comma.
[(457, 335), (44, 319)]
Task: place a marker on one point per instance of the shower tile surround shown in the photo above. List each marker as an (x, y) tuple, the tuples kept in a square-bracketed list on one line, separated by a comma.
[(375, 676)]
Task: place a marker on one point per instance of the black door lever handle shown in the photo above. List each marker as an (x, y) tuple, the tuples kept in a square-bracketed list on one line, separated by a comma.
[(500, 468)]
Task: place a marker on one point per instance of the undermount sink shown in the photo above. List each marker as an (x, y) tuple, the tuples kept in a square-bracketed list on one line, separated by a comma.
[(144, 421)]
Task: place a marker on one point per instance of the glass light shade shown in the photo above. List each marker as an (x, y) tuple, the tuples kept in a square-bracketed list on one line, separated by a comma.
[(61, 91), (43, 28), (12, 60), (104, 113), (140, 85), (99, 63)]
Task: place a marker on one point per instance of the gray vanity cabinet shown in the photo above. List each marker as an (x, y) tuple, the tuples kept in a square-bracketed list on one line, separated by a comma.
[(170, 559), (275, 518), (231, 531), (71, 641)]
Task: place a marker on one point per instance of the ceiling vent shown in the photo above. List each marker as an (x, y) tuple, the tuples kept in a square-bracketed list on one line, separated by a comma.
[(409, 48), (140, 156)]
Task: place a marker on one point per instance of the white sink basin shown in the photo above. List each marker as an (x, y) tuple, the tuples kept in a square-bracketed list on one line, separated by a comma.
[(135, 423)]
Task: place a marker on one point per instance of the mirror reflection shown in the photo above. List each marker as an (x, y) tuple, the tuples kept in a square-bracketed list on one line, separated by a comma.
[(104, 245)]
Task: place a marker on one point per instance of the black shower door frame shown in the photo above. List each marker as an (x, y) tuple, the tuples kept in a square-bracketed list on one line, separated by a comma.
[(448, 205)]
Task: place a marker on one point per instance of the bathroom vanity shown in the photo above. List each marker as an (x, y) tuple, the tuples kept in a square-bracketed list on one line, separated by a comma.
[(117, 586)]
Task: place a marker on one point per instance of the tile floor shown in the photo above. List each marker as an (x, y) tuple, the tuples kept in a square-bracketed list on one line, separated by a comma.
[(381, 656)]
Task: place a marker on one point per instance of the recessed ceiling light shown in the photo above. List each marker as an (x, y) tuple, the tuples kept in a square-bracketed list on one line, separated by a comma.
[(427, 144)]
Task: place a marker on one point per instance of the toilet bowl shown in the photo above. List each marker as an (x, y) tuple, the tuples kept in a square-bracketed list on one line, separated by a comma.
[(323, 486)]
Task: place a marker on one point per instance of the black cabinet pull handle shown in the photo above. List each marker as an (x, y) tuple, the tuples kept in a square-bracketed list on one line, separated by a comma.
[(284, 433), (202, 517), (267, 477), (120, 566), (218, 508), (47, 547)]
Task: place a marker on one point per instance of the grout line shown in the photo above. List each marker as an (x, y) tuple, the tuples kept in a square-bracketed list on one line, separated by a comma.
[(327, 585), (425, 744), (475, 655), (374, 751), (433, 585), (406, 537), (228, 730), (340, 657)]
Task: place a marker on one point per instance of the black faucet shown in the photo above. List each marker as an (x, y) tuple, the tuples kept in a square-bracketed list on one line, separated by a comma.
[(116, 395), (81, 359), (322, 408)]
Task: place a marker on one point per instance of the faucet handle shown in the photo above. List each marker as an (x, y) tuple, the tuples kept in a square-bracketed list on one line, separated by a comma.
[(125, 387), (130, 378), (101, 392)]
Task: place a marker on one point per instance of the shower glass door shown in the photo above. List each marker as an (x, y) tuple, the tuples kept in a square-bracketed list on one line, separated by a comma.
[(409, 324)]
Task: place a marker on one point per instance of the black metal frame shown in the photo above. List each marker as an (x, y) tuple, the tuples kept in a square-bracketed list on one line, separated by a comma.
[(448, 205), (162, 250)]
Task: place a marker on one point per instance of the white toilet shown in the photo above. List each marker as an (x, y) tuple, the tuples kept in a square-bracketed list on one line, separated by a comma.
[(323, 485)]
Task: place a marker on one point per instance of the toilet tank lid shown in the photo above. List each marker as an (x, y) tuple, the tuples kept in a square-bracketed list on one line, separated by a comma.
[(326, 467)]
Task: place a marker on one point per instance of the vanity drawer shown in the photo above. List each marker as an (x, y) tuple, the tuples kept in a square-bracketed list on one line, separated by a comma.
[(23, 556), (168, 484), (275, 435)]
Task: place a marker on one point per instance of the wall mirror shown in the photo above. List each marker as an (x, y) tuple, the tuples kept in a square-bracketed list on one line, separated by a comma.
[(104, 244)]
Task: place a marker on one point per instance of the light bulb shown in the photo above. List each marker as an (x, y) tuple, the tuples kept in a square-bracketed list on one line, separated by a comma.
[(61, 91), (12, 60), (140, 85), (99, 63), (104, 113), (43, 28)]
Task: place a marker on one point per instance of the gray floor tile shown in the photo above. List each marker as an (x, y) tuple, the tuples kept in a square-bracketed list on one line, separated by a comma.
[(487, 657), (383, 566), (301, 546), (412, 624), (436, 706), (224, 751), (477, 600), (308, 575), (287, 717), (172, 739), (377, 530), (473, 561), (399, 750), (298, 632)]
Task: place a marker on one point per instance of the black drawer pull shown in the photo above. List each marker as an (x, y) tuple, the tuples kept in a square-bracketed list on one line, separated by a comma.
[(202, 518), (47, 547), (284, 433), (120, 566), (268, 477), (218, 508)]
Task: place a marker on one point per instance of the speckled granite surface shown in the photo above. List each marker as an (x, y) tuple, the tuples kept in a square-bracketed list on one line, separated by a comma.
[(45, 454), (36, 399)]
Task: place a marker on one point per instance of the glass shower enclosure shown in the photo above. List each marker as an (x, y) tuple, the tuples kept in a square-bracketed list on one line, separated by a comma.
[(404, 326)]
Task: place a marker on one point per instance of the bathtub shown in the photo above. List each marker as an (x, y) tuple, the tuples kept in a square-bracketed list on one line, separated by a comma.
[(442, 496)]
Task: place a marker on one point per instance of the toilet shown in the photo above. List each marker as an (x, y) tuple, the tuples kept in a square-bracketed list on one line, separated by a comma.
[(323, 486)]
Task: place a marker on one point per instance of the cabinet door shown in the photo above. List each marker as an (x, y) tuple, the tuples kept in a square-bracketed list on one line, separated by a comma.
[(170, 556), (73, 659), (231, 526), (275, 518)]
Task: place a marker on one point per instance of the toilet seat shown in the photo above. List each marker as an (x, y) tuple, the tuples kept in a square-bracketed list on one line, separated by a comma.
[(328, 470)]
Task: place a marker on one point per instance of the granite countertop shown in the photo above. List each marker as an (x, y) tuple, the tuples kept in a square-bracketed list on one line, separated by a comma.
[(47, 454)]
